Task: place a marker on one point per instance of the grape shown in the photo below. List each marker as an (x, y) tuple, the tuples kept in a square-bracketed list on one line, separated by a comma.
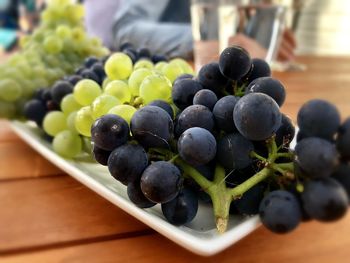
[(63, 31), (90, 61), (158, 58), (155, 87), (161, 182), (183, 76), (35, 110), (316, 157), (46, 95), (60, 89), (197, 146), (74, 79), (182, 209), (152, 126), (67, 144), (233, 151), (69, 104), (172, 71), (342, 175), (260, 68), (124, 111), (125, 46), (343, 139), (137, 197), (7, 109), (102, 104), (164, 105), (136, 78), (118, 89), (250, 201), (324, 199), (210, 77), (186, 68), (118, 66), (160, 65), (98, 69), (143, 63), (223, 111), (127, 162), (86, 91), (318, 118), (286, 132), (280, 211), (71, 122), (184, 91), (10, 90), (268, 86), (234, 62), (89, 74), (195, 116), (144, 53), (206, 98), (100, 155), (53, 44), (54, 122), (132, 54), (109, 131), (83, 121), (257, 116)]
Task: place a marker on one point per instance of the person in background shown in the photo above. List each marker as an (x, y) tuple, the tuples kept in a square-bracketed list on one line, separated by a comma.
[(163, 26)]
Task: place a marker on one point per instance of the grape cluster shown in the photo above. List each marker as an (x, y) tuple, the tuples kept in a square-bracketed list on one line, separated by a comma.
[(56, 48)]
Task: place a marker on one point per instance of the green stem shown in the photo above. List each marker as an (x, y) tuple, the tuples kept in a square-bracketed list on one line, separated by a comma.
[(287, 155), (172, 160), (287, 167), (257, 156)]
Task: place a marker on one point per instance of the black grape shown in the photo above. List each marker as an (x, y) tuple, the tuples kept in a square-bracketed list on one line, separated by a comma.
[(137, 197), (343, 139), (144, 53), (197, 146), (260, 68), (286, 132), (109, 131), (125, 45), (158, 58), (35, 110), (89, 74), (324, 199), (318, 118), (248, 203), (132, 54), (234, 62), (88, 62), (74, 79), (280, 211), (183, 92), (223, 111), (257, 116), (233, 151), (342, 175), (182, 209), (100, 155), (268, 86), (316, 157), (164, 105), (211, 78), (152, 126), (206, 98), (60, 89), (46, 95), (98, 69), (183, 76), (161, 182), (195, 116), (127, 162)]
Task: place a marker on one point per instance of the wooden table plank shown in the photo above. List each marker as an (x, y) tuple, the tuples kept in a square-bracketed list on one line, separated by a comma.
[(56, 210), (6, 133), (19, 160), (311, 242)]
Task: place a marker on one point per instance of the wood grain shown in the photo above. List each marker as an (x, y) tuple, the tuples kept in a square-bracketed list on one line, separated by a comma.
[(52, 210), (6, 133), (311, 242)]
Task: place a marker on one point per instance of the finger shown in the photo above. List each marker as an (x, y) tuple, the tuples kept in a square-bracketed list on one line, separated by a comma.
[(289, 37)]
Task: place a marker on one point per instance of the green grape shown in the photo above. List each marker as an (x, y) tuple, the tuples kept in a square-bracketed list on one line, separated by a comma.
[(78, 34), (118, 66), (119, 89), (71, 121), (7, 109), (160, 65), (102, 104), (143, 63), (69, 104), (40, 82), (136, 79), (155, 87), (67, 144), (172, 71), (54, 122), (87, 145), (105, 82), (84, 121), (53, 44), (63, 31), (10, 90), (187, 68), (85, 91), (124, 111)]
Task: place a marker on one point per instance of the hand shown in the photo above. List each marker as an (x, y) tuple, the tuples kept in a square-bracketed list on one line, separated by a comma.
[(287, 46)]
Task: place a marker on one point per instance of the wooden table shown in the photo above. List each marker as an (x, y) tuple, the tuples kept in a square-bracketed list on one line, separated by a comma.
[(47, 216)]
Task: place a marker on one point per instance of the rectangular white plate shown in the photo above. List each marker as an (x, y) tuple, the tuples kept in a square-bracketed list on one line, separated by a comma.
[(200, 236)]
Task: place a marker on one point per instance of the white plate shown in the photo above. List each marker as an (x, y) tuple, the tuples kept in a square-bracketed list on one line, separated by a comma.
[(200, 236)]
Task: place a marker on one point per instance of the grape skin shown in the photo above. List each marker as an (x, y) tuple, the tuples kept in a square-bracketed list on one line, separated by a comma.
[(234, 62), (223, 111), (183, 92), (206, 98), (343, 140)]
